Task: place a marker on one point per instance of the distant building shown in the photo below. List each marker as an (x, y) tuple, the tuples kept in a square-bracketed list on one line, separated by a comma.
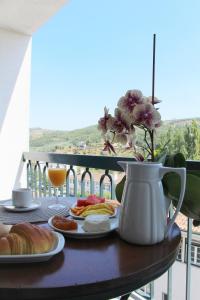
[(82, 145)]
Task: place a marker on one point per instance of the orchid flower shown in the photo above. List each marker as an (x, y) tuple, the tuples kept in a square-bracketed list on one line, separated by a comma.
[(147, 115), (130, 100), (105, 123), (133, 110)]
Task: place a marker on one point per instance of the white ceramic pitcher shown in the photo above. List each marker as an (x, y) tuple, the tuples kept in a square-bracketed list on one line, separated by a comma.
[(144, 211)]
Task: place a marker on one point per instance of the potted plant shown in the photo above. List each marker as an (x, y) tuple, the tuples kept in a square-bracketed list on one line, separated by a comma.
[(136, 111)]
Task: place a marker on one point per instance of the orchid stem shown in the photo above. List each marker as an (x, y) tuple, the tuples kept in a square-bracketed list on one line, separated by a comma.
[(151, 133)]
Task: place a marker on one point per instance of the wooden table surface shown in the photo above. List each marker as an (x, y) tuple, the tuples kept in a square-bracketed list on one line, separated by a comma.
[(90, 269)]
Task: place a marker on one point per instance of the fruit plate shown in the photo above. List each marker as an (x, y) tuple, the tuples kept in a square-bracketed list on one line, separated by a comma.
[(32, 258), (79, 233), (82, 218)]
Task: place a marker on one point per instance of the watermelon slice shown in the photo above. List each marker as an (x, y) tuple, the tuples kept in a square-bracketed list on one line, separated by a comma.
[(90, 200), (81, 202)]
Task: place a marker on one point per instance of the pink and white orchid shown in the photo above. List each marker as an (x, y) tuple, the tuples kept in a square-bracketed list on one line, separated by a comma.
[(130, 100), (120, 122), (146, 115), (133, 110), (105, 123)]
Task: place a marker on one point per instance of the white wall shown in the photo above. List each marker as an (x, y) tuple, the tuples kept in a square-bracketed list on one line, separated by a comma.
[(15, 58), (179, 283)]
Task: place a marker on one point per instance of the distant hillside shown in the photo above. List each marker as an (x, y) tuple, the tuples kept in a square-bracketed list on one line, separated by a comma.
[(47, 140), (58, 140), (180, 122)]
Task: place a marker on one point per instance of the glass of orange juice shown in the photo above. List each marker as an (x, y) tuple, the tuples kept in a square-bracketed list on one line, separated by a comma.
[(57, 177)]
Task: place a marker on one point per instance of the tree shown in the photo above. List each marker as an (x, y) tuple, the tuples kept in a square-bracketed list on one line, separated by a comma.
[(192, 141)]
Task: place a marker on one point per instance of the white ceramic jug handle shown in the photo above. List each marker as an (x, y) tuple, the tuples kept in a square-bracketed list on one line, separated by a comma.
[(182, 173)]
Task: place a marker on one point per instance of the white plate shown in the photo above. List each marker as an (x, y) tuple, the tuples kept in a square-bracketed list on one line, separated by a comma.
[(82, 218), (81, 234), (31, 258), (8, 206)]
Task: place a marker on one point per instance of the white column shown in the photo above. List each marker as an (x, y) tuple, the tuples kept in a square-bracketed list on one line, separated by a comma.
[(15, 58)]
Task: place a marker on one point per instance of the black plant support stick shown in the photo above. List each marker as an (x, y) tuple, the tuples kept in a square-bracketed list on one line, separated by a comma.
[(153, 89), (153, 71)]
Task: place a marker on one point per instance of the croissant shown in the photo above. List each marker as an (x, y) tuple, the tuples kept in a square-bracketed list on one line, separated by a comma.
[(4, 229), (26, 238)]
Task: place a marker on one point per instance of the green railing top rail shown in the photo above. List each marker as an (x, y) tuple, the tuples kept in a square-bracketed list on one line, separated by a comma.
[(193, 164), (90, 161)]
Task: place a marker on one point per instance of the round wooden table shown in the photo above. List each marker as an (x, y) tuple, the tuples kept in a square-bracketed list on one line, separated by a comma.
[(90, 269)]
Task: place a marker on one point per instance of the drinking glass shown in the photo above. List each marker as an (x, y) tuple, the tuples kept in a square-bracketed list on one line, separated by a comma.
[(57, 177)]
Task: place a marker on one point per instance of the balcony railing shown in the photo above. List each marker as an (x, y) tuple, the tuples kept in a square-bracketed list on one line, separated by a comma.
[(96, 174)]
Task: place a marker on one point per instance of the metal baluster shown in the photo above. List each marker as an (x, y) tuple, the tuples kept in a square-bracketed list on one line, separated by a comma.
[(32, 177), (52, 187), (183, 246), (102, 184), (188, 264), (195, 254), (71, 170), (35, 180), (152, 291), (169, 274), (92, 191), (39, 179), (28, 175), (61, 188), (45, 181), (68, 181), (83, 183), (49, 184), (91, 182), (112, 186), (87, 171), (75, 183), (169, 284)]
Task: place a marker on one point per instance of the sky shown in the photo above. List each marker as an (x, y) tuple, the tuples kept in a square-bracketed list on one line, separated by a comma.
[(91, 52)]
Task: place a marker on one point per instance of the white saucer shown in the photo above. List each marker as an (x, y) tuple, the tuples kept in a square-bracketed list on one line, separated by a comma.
[(8, 206)]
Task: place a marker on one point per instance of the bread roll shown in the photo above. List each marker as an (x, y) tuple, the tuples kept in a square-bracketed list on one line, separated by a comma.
[(26, 238)]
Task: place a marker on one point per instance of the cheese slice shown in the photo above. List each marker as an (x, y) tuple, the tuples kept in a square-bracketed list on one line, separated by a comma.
[(96, 223)]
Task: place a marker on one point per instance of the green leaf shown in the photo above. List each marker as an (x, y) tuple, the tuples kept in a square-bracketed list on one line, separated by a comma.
[(175, 161), (191, 202), (179, 161), (161, 159), (119, 188), (194, 172)]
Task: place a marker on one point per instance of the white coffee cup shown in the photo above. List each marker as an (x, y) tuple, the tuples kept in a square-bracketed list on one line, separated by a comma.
[(22, 197)]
